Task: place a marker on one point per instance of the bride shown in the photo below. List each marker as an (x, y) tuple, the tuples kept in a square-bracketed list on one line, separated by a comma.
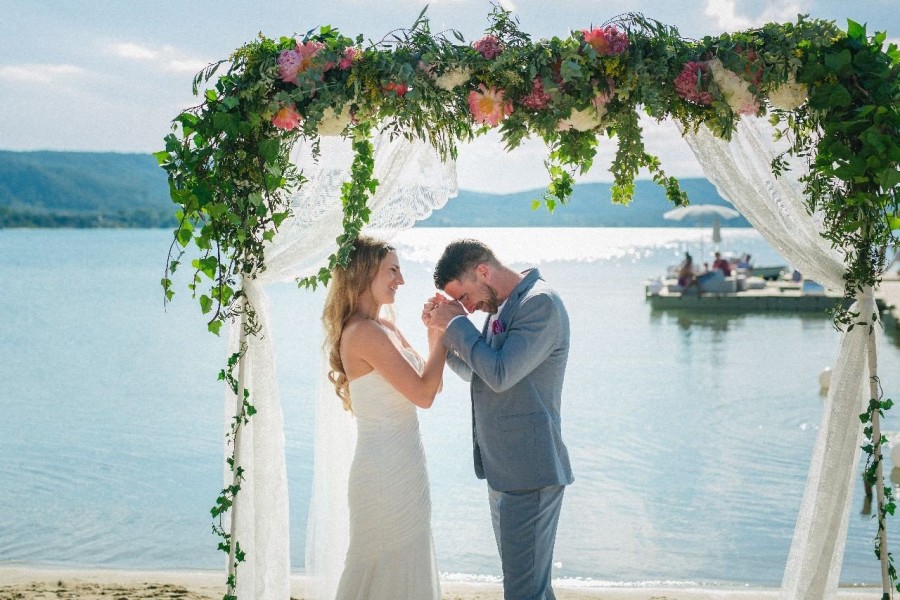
[(381, 380)]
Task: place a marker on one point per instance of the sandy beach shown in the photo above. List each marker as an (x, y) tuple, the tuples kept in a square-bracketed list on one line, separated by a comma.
[(26, 583)]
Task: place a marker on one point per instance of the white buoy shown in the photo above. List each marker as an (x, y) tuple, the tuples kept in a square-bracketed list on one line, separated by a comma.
[(824, 380), (895, 451)]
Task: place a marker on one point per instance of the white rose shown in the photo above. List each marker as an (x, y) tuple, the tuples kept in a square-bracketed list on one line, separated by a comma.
[(453, 78), (580, 120), (789, 95), (735, 90), (332, 123)]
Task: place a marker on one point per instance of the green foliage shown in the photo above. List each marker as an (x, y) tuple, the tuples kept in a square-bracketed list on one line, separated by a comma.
[(850, 132), (874, 461), (229, 172)]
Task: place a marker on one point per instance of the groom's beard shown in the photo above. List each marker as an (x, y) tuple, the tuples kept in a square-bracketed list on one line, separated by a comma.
[(492, 303)]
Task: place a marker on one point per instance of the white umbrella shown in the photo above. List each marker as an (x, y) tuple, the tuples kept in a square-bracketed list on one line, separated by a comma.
[(702, 212)]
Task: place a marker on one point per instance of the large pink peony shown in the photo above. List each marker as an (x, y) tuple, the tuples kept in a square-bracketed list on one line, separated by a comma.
[(287, 118), (606, 41), (489, 46), (488, 106), (690, 83), (293, 62)]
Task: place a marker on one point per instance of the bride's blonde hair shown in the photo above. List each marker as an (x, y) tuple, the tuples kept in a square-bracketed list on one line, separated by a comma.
[(341, 302)]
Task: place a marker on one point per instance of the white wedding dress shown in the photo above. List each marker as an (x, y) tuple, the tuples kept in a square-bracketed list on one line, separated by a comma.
[(391, 552)]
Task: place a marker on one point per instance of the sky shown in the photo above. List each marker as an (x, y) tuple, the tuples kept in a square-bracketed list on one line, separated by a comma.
[(110, 75)]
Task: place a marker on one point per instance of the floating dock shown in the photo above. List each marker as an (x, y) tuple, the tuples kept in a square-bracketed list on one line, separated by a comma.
[(775, 297)]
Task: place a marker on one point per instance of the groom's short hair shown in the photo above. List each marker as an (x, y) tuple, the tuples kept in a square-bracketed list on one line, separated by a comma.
[(459, 258)]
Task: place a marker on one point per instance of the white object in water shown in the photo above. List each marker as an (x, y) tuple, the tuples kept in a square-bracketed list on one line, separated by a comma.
[(654, 287), (825, 379)]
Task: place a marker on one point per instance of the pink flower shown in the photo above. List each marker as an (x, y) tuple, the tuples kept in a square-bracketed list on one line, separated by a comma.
[(489, 46), (289, 62), (606, 41), (287, 118), (350, 56), (537, 99), (398, 88), (690, 83), (293, 62), (488, 106), (497, 327)]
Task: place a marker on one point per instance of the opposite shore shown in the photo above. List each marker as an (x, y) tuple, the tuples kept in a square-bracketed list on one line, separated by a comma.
[(33, 583)]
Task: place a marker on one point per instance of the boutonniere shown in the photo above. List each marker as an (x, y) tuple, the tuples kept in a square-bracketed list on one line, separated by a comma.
[(497, 327)]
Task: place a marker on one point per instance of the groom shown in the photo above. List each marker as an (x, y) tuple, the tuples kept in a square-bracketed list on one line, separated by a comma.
[(516, 365)]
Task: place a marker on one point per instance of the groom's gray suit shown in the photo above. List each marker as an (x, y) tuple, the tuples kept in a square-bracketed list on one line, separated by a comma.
[(516, 378)]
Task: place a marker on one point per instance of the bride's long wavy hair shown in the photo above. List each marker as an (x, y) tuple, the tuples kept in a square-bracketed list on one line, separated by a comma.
[(341, 302)]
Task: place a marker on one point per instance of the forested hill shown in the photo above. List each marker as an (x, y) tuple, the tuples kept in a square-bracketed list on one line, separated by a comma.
[(83, 189), (89, 189), (590, 206)]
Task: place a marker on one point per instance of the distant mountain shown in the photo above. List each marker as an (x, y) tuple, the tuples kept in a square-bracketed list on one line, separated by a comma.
[(83, 189), (90, 189), (590, 206)]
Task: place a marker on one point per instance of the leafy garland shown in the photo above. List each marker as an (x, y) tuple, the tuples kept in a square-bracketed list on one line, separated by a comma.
[(835, 94)]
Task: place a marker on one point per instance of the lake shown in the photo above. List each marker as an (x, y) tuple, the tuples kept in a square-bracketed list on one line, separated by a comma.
[(690, 435)]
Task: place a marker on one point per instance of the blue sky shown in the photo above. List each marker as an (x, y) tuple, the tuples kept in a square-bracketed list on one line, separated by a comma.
[(109, 75)]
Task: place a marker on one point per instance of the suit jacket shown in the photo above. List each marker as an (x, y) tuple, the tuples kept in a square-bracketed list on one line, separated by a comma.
[(516, 388)]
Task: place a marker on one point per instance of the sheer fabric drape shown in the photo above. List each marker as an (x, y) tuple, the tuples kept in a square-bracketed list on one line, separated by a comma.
[(741, 171), (414, 182)]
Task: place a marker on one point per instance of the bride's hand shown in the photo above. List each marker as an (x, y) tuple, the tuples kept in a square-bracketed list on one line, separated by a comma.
[(430, 305)]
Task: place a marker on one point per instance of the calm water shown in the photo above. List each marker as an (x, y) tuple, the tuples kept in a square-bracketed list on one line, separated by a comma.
[(690, 435)]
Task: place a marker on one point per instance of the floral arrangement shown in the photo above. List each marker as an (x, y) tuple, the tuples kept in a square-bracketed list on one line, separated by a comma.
[(834, 93), (227, 160)]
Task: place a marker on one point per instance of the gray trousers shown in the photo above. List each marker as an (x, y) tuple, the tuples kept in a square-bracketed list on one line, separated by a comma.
[(525, 530)]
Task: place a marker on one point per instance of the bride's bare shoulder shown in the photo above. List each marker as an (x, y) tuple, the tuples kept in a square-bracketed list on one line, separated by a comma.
[(360, 330)]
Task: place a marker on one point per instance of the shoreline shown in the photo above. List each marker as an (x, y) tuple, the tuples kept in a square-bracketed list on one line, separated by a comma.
[(41, 582)]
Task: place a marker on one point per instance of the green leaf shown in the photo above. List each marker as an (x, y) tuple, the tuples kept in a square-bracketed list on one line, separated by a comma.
[(889, 178), (835, 62), (855, 30), (269, 149), (205, 304), (184, 235), (214, 327)]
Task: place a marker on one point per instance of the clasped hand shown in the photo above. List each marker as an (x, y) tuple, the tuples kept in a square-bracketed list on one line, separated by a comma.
[(439, 310)]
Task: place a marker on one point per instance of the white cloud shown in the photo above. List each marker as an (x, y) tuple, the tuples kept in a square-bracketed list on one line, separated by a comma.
[(726, 16), (167, 58), (38, 73), (133, 51)]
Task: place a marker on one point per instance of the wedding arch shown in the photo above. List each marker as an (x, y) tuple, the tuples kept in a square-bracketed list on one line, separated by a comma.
[(303, 141)]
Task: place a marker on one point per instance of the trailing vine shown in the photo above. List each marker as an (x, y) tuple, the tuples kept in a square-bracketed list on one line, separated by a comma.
[(226, 498), (834, 94), (874, 443)]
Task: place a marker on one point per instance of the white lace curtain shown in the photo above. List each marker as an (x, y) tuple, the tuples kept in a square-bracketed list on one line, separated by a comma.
[(413, 182), (741, 171)]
